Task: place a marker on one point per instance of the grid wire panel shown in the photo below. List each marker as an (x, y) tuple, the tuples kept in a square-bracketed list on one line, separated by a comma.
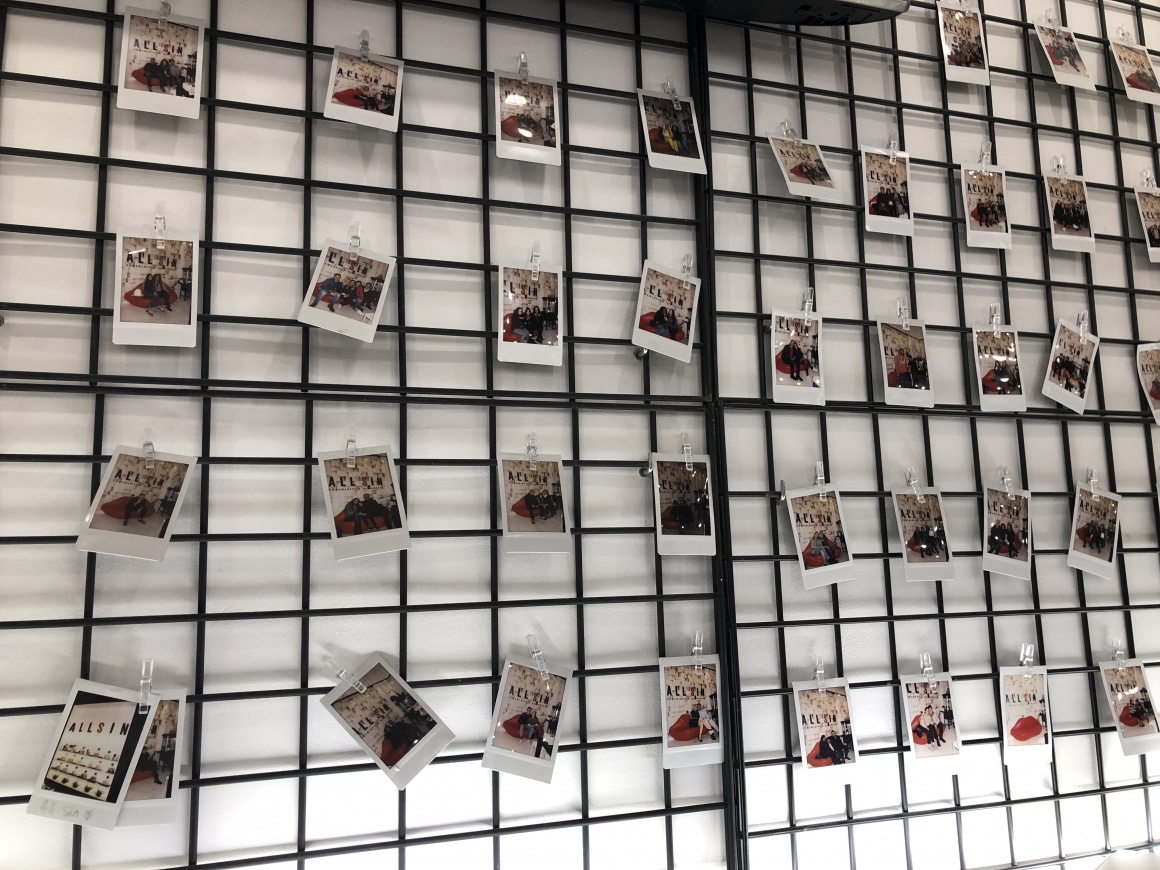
[(842, 88), (249, 597)]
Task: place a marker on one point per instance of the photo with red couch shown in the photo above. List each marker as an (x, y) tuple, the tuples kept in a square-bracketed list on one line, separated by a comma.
[(138, 500), (670, 128), (666, 306), (826, 729), (1131, 701), (386, 718), (818, 527), (370, 85), (532, 496), (530, 307), (690, 703), (161, 56), (527, 112), (362, 500), (930, 717), (156, 281), (528, 712), (684, 498)]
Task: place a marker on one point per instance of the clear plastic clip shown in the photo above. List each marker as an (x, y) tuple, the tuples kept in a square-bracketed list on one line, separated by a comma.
[(163, 19), (1122, 35), (524, 67), (985, 153), (355, 240), (538, 656), (927, 668), (150, 455), (788, 131), (912, 482), (698, 651), (159, 225), (1092, 481), (668, 88), (781, 493), (687, 269), (1050, 18), (351, 453), (1005, 479), (364, 45), (820, 479), (1147, 178), (1081, 324), (146, 685), (533, 452), (1027, 657), (820, 672), (1059, 164), (687, 451), (904, 314), (535, 261), (807, 305), (996, 318), (342, 675), (892, 147), (1119, 652)]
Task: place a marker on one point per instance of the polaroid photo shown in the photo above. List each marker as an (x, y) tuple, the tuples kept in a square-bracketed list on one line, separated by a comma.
[(666, 311), (1130, 698), (85, 778), (985, 205), (527, 715), (819, 535), (683, 505), (884, 177), (1072, 358), (535, 514), (929, 715), (671, 133), (1007, 532), (905, 370), (388, 721), (923, 535), (1095, 532), (1071, 228), (803, 166), (526, 114), (136, 506), (690, 717), (156, 301), (1136, 69), (1063, 57), (1148, 207), (1148, 368), (346, 292), (997, 373), (1026, 715), (364, 91), (159, 64), (796, 351), (529, 316), (152, 798), (363, 503), (826, 725), (964, 48)]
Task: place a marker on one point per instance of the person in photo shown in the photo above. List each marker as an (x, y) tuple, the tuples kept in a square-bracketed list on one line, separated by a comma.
[(921, 526), (1062, 50), (1095, 532), (1069, 211), (1131, 702), (986, 200), (386, 718), (962, 37), (1025, 709), (364, 84), (826, 730), (670, 129), (886, 186), (533, 497), (931, 717), (156, 281), (1071, 361), (1149, 206), (162, 58), (530, 307), (803, 161), (999, 363), (1148, 362), (529, 712), (795, 352), (139, 500), (350, 286), (527, 112), (667, 306), (684, 498), (363, 497), (1007, 525), (153, 774), (819, 530), (1136, 66), (904, 357), (690, 705)]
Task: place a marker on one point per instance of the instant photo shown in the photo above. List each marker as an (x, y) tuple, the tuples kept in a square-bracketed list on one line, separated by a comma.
[(535, 510), (926, 555), (964, 49), (1148, 207), (905, 370), (1130, 699), (1095, 532), (363, 503), (1007, 532), (997, 371), (825, 725), (346, 292), (1064, 58), (86, 777), (136, 505), (985, 204), (529, 316), (1071, 228), (803, 166), (159, 64), (1137, 72), (364, 91), (1148, 368), (671, 134), (388, 721), (819, 535), (1026, 715), (666, 311), (929, 713), (797, 359), (885, 180), (152, 797), (691, 717), (526, 719), (526, 119), (683, 506), (1069, 369), (156, 297)]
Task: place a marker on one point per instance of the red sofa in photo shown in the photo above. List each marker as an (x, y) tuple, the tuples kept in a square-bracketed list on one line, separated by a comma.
[(644, 324), (116, 508), (682, 730), (134, 297)]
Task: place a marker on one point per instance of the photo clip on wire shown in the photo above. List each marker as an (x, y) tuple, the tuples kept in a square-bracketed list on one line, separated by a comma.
[(820, 673), (668, 88), (1005, 479), (351, 453), (687, 451), (698, 651), (533, 452), (892, 147), (535, 262), (159, 225), (364, 45), (146, 684), (996, 318), (1092, 480), (807, 305), (820, 479), (524, 67), (1050, 18), (1147, 178), (1122, 35), (912, 482), (1119, 652), (687, 269), (342, 675), (355, 240), (1027, 657), (927, 668), (1059, 164), (904, 314), (985, 153), (163, 20), (1081, 324), (538, 657), (789, 131), (150, 455)]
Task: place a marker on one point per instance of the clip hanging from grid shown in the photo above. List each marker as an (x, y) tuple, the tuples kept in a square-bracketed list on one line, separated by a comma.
[(789, 131), (1027, 657), (159, 225), (1081, 324), (149, 454), (927, 668), (698, 651), (364, 45), (534, 262), (807, 305), (1059, 164), (985, 153), (1147, 178), (996, 318), (1005, 479), (820, 479), (687, 451), (912, 482), (671, 91), (524, 67), (351, 453), (342, 675), (904, 313), (355, 240), (532, 451), (538, 656), (820, 672), (892, 147), (165, 12), (1119, 652), (146, 686), (1092, 482), (1122, 35)]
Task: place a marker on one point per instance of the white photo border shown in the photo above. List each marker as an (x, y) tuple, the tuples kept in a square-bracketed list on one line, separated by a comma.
[(802, 188), (362, 117), (979, 238), (835, 772), (949, 761), (1061, 241), (1138, 95), (1150, 402), (1063, 77), (964, 75)]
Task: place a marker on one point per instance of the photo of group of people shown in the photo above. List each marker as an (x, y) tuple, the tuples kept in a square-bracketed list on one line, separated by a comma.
[(1072, 357), (365, 512), (816, 518), (997, 369), (682, 504), (666, 311), (525, 118), (1067, 65), (152, 792), (529, 316), (797, 362), (1007, 532), (964, 51), (671, 133), (930, 716), (885, 175), (1148, 368), (526, 719), (1026, 715), (825, 726), (691, 719), (1070, 225), (534, 509), (922, 532), (1095, 531), (346, 290), (1135, 66), (1148, 207), (156, 294), (905, 371), (159, 64), (803, 166), (985, 197), (1130, 699), (364, 90)]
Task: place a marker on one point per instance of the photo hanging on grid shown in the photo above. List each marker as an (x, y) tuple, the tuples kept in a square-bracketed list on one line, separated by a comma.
[(1026, 715), (137, 503), (86, 776), (154, 796), (525, 722), (1007, 532), (526, 119), (926, 554), (159, 63), (1130, 699), (963, 44), (364, 505), (672, 136), (157, 290), (905, 364), (885, 177), (535, 514), (985, 206), (1148, 207), (388, 721), (1148, 368), (997, 369), (690, 714), (529, 316), (929, 717), (364, 90), (348, 289), (1063, 56), (683, 505), (1137, 71), (804, 168), (1067, 207), (819, 535), (826, 727), (796, 351), (666, 311), (1095, 532), (1069, 368)]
